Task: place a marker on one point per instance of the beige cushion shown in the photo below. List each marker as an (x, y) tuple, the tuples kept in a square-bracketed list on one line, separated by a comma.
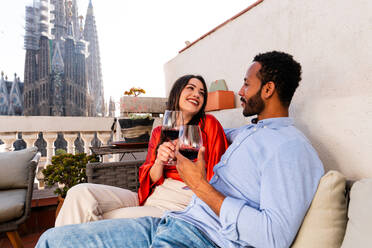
[(14, 168), (359, 227), (325, 221), (12, 204)]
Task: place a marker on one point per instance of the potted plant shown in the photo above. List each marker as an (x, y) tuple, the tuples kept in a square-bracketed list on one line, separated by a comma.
[(133, 102), (138, 124), (67, 170)]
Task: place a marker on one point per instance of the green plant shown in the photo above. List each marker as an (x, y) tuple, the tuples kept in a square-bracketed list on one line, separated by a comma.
[(135, 116), (60, 151), (67, 170)]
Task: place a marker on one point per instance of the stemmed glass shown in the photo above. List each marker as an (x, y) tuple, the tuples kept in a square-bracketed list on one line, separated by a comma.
[(172, 121), (190, 141)]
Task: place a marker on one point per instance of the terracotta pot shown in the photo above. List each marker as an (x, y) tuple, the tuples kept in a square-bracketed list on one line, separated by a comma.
[(60, 203), (221, 99)]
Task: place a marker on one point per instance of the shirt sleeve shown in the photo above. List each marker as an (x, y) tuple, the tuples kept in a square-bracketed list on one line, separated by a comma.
[(146, 186), (289, 181), (216, 143)]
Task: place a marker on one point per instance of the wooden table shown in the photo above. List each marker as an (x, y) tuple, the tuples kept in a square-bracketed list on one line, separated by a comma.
[(120, 148)]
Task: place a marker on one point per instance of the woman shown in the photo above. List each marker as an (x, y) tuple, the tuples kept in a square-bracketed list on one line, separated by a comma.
[(161, 188)]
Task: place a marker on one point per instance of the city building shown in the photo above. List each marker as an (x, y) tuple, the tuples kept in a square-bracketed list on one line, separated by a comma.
[(62, 65)]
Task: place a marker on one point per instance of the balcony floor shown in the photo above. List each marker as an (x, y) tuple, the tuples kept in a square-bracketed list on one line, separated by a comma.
[(29, 241)]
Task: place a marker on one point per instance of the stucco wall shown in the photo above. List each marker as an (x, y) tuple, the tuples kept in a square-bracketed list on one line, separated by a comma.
[(332, 40)]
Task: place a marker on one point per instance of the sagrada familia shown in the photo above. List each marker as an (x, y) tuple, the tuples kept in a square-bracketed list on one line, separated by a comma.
[(62, 74)]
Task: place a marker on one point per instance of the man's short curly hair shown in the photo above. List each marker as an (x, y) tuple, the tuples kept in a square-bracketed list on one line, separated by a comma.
[(283, 70)]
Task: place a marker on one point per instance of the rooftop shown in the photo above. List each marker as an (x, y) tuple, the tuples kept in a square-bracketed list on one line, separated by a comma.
[(222, 24)]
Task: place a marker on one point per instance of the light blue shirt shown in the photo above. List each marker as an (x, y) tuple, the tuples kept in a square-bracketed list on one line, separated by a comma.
[(269, 176)]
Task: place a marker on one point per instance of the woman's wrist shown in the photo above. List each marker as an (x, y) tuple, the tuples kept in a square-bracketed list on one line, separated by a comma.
[(158, 163), (157, 170)]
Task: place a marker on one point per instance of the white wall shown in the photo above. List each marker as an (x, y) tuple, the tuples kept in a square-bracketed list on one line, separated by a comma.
[(332, 39)]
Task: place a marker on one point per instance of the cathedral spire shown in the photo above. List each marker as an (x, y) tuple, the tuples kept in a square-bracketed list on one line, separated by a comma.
[(81, 28), (111, 108), (57, 61), (15, 98), (90, 8), (94, 74), (75, 19), (4, 97), (70, 28)]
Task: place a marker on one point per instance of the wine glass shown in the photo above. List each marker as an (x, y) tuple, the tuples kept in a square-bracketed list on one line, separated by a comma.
[(172, 121), (190, 141)]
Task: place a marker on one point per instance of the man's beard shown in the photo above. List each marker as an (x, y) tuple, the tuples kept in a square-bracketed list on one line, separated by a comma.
[(254, 105)]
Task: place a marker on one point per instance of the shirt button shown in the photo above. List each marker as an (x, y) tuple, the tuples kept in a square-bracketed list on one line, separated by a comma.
[(216, 177), (254, 129), (265, 126)]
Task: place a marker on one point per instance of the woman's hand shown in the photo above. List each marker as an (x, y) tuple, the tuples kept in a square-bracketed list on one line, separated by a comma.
[(166, 151)]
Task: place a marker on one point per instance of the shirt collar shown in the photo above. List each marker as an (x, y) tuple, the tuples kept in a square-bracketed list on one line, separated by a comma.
[(276, 122)]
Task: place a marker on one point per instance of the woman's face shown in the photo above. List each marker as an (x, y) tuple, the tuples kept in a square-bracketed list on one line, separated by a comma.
[(192, 97)]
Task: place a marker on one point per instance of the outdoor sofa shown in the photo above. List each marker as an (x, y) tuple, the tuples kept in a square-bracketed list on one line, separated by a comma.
[(340, 214)]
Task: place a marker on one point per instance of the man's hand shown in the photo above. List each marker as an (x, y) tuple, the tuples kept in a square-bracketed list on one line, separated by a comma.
[(193, 174)]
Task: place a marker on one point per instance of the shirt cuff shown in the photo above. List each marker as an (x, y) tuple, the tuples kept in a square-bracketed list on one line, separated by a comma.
[(229, 213)]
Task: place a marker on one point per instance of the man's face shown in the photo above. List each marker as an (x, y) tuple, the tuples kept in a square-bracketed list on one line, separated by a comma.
[(250, 92)]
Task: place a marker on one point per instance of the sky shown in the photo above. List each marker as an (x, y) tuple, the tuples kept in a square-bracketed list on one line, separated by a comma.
[(136, 37)]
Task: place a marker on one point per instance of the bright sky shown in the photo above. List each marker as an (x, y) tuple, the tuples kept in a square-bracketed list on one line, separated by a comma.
[(136, 38)]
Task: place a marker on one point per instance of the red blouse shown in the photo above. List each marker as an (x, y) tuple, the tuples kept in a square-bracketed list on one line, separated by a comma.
[(214, 141)]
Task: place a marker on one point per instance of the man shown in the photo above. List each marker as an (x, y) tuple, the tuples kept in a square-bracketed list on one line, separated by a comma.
[(259, 194)]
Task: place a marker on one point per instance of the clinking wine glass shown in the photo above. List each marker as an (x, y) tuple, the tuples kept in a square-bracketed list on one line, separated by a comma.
[(172, 121), (190, 141)]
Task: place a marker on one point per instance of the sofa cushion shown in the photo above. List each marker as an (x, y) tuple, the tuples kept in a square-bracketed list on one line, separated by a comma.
[(12, 204), (359, 226), (14, 168), (325, 221)]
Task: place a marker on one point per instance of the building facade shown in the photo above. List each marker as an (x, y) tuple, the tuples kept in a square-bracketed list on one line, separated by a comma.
[(62, 65), (11, 96)]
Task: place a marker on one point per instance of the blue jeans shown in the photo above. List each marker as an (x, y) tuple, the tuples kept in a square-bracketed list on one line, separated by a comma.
[(136, 233)]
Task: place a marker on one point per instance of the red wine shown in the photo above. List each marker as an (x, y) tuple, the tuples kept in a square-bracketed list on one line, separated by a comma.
[(171, 134), (190, 153)]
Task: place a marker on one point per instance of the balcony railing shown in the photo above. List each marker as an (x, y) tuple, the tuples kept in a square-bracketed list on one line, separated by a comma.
[(49, 126)]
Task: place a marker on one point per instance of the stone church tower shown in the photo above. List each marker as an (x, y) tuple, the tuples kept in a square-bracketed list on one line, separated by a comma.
[(56, 64), (11, 96), (93, 64)]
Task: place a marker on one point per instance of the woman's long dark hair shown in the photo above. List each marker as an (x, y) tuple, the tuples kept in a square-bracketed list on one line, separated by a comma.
[(174, 99), (175, 93)]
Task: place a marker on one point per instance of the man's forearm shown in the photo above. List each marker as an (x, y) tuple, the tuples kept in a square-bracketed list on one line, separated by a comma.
[(208, 194), (194, 175)]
